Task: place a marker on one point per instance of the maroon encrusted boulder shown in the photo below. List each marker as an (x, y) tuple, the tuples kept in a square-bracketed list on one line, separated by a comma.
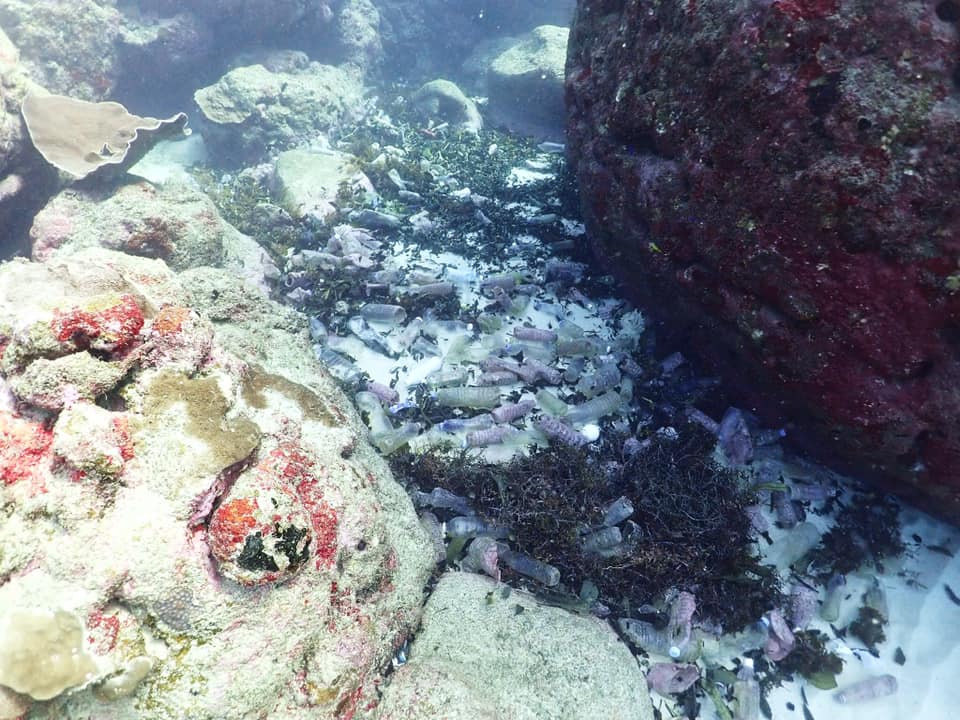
[(780, 181)]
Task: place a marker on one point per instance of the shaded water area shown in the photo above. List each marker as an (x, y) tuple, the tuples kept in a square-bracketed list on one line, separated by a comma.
[(317, 402)]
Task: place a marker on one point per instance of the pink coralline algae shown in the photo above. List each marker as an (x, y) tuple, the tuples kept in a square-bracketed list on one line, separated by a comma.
[(272, 521), (50, 234), (24, 449), (777, 180), (177, 336), (670, 678), (112, 328)]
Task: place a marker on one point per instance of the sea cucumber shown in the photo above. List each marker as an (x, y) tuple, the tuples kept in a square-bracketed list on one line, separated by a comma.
[(867, 689), (542, 572), (512, 411), (473, 526), (553, 428), (466, 396)]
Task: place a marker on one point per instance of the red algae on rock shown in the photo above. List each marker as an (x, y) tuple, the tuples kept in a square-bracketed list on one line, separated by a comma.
[(777, 181), (192, 496), (110, 326), (261, 533), (24, 449)]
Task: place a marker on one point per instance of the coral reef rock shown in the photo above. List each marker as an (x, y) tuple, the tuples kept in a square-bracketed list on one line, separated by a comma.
[(486, 652), (525, 83), (251, 109), (309, 181), (427, 37), (443, 101), (785, 174), (194, 525), (174, 223), (81, 63)]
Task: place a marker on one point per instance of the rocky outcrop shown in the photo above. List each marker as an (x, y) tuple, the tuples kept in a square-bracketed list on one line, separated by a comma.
[(426, 38), (484, 652), (69, 47), (189, 503), (251, 109), (525, 84), (175, 223), (777, 180)]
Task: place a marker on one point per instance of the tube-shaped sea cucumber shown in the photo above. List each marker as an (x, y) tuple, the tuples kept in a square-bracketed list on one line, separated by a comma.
[(617, 511), (473, 526), (391, 440), (378, 312), (512, 411), (466, 396), (542, 572), (553, 428), (830, 610), (522, 332), (491, 436), (598, 407), (868, 689), (601, 540)]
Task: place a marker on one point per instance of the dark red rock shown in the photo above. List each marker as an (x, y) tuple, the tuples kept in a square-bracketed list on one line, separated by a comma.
[(779, 182)]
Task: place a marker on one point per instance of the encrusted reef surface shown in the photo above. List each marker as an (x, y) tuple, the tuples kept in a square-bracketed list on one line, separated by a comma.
[(193, 525), (485, 652), (785, 173)]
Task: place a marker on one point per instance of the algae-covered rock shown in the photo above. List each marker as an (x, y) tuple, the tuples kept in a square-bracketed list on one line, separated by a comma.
[(442, 101), (525, 84), (309, 181), (782, 197), (175, 223), (252, 110), (81, 62), (216, 520), (486, 652)]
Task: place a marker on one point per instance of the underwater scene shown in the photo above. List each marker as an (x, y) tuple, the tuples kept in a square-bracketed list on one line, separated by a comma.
[(479, 359)]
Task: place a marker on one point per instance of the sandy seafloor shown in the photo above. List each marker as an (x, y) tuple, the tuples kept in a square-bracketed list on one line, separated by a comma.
[(924, 622)]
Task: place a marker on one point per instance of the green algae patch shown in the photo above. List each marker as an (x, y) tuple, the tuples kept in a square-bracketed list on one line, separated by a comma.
[(205, 407), (52, 384), (257, 382)]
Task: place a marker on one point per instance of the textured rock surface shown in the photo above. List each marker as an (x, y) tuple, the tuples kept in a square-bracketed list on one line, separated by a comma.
[(251, 109), (175, 223), (426, 38), (230, 542), (81, 61), (309, 182), (785, 173), (485, 653), (525, 83)]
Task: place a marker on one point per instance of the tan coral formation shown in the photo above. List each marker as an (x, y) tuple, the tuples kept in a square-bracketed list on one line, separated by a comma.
[(80, 137)]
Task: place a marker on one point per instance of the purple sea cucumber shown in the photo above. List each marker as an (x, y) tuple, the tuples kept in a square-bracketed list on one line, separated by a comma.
[(511, 411), (553, 428), (780, 641), (386, 395), (550, 375), (803, 606), (497, 377), (491, 436)]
